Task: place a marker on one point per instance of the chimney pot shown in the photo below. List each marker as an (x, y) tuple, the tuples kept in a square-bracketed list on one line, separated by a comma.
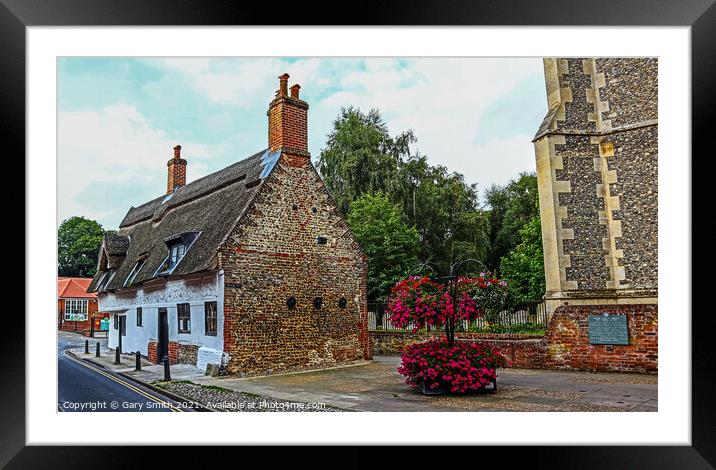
[(294, 91), (283, 85), (177, 151)]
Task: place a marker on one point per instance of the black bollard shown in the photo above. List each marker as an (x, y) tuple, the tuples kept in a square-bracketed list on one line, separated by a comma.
[(139, 362), (96, 353), (86, 346), (116, 356), (167, 376)]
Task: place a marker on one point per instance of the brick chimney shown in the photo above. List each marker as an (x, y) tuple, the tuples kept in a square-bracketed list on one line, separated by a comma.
[(176, 171), (288, 121)]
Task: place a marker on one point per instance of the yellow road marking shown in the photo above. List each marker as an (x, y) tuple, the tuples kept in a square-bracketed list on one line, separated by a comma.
[(129, 386)]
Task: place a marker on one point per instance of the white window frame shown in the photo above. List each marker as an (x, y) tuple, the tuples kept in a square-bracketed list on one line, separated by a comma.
[(135, 270), (76, 309)]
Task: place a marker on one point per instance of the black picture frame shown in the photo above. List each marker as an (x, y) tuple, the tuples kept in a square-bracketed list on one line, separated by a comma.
[(700, 15)]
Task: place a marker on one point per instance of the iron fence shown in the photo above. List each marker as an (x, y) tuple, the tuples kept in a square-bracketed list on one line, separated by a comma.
[(528, 314)]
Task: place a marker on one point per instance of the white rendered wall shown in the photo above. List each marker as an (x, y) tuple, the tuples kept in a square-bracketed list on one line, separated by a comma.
[(193, 291)]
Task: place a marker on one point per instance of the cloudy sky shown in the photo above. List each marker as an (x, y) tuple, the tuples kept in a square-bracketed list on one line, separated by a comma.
[(119, 118)]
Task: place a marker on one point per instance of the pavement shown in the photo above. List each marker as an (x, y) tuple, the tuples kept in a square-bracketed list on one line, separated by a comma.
[(376, 386)]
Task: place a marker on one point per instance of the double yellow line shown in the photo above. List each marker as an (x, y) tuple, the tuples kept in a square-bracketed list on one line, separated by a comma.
[(121, 382)]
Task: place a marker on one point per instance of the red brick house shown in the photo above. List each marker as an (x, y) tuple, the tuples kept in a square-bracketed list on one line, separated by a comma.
[(251, 269), (76, 308)]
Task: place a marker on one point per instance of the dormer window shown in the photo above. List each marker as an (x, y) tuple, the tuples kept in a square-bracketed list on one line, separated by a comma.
[(178, 246), (133, 274), (106, 279)]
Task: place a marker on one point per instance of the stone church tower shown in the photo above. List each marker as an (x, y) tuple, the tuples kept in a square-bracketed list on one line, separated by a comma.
[(596, 153)]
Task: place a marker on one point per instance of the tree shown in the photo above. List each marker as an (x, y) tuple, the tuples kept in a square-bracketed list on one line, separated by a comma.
[(523, 267), (445, 211), (360, 156), (511, 207), (391, 246), (78, 241)]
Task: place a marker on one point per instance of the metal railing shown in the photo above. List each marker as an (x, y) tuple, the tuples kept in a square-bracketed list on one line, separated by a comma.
[(532, 313)]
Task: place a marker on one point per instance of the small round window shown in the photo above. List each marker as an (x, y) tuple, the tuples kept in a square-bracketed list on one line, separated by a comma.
[(317, 302), (291, 302), (342, 303)]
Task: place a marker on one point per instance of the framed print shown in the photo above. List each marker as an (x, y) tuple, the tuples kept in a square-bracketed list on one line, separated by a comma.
[(412, 218)]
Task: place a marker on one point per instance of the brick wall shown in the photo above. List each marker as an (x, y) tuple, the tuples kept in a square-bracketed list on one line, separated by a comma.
[(174, 352), (83, 327), (273, 255), (567, 340), (393, 342), (565, 344)]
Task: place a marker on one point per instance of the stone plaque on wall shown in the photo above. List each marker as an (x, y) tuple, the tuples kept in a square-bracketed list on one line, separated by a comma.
[(608, 329)]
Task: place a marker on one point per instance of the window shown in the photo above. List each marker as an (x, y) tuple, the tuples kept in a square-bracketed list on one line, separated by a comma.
[(176, 253), (106, 279), (184, 316), (123, 325), (133, 274), (75, 309), (139, 316), (210, 318), (116, 321), (178, 246)]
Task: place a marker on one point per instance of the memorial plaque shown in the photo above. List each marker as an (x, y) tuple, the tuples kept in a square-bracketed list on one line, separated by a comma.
[(608, 329)]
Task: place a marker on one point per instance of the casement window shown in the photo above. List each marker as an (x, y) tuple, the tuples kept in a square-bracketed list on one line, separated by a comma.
[(139, 316), (184, 317), (135, 270), (177, 246), (116, 321), (76, 309), (210, 318)]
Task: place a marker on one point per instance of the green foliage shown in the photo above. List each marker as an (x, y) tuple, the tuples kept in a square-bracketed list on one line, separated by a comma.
[(361, 157), (523, 267), (446, 213), (78, 243), (511, 207), (525, 328), (391, 246)]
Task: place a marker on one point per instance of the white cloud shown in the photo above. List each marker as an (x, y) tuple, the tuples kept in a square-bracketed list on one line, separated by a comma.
[(441, 99), (239, 81), (110, 151)]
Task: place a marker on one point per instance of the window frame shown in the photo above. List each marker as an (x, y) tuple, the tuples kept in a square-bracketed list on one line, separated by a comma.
[(135, 270), (181, 242), (139, 316), (76, 310), (106, 279), (211, 319), (187, 317)]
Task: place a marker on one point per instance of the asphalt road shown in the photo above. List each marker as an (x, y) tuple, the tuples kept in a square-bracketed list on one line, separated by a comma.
[(86, 387)]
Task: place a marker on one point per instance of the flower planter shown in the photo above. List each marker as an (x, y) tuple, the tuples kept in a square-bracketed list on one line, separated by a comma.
[(444, 389)]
